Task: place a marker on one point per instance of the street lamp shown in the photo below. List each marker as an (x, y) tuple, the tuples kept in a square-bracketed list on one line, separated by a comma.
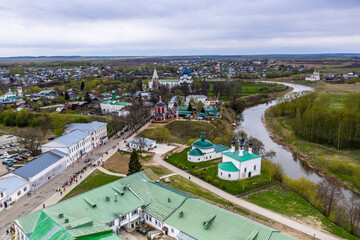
[(34, 185)]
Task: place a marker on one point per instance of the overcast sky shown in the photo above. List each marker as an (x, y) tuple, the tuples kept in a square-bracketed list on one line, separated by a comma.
[(178, 27)]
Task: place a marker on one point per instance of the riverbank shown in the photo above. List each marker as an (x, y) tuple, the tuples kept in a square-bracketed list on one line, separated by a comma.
[(323, 159)]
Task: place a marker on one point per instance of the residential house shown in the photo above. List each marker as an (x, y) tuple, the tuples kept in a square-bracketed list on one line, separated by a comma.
[(140, 143), (12, 188)]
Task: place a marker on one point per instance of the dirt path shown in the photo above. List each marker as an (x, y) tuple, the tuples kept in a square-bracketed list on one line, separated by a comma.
[(160, 150)]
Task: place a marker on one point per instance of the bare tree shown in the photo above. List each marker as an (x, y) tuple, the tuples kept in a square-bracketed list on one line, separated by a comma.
[(329, 191), (353, 211), (31, 139), (142, 144)]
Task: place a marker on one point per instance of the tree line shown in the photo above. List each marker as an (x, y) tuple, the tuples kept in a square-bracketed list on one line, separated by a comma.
[(315, 121)]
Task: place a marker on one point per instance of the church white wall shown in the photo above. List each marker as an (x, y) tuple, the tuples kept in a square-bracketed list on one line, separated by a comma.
[(205, 157), (253, 166), (228, 175)]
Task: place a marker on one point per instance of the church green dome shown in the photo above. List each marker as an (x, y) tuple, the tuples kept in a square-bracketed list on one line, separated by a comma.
[(202, 143)]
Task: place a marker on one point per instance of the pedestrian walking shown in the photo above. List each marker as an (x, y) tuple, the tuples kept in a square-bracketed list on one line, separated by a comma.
[(60, 193), (189, 177)]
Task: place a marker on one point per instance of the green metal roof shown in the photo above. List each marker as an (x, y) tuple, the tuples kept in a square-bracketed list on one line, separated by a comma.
[(228, 166), (79, 218), (204, 221), (89, 212), (47, 228), (202, 144), (28, 222), (185, 108), (195, 152), (164, 203), (246, 156), (100, 236), (169, 80), (220, 148), (116, 103)]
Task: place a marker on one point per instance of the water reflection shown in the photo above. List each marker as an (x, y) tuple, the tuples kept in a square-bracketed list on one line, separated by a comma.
[(251, 122)]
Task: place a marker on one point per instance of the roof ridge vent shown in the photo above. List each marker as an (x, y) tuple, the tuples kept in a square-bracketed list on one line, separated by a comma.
[(90, 202), (207, 224)]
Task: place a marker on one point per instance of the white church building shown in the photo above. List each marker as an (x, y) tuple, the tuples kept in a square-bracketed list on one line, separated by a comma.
[(185, 78), (314, 77), (203, 150), (239, 164)]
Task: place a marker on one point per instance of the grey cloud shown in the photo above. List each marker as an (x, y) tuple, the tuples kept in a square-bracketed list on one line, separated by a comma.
[(113, 27)]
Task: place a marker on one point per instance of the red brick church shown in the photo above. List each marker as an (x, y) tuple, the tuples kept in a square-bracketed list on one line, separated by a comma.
[(162, 114)]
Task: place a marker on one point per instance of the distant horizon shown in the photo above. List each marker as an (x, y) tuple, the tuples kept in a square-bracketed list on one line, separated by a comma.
[(186, 55)]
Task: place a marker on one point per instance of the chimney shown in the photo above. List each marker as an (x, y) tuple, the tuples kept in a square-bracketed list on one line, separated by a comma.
[(250, 148), (115, 197), (232, 146)]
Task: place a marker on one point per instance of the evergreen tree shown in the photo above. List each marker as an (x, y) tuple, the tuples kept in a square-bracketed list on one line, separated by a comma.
[(134, 164), (189, 107), (66, 96), (87, 97), (82, 85)]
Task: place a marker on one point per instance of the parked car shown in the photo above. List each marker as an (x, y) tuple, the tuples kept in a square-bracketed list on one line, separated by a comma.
[(12, 145), (51, 138), (87, 160), (2, 147), (10, 164), (10, 136), (11, 169), (141, 230)]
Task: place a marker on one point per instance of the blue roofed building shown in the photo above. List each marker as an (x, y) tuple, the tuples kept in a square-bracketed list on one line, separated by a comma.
[(203, 150), (75, 143), (12, 188), (44, 168), (97, 130), (185, 78)]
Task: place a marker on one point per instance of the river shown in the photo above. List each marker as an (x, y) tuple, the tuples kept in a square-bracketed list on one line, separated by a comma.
[(251, 123)]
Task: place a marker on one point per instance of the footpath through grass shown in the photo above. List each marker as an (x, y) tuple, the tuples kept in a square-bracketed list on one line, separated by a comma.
[(94, 180), (207, 171), (290, 204)]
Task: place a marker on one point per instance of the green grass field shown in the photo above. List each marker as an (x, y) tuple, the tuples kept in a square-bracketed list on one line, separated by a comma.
[(290, 204), (208, 172), (249, 88), (94, 180), (182, 131)]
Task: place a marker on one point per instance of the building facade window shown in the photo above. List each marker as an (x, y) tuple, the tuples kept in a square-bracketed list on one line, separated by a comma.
[(254, 167), (18, 193), (244, 169), (229, 175)]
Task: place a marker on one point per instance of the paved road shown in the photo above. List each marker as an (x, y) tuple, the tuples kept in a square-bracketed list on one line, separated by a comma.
[(26, 205), (160, 150)]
